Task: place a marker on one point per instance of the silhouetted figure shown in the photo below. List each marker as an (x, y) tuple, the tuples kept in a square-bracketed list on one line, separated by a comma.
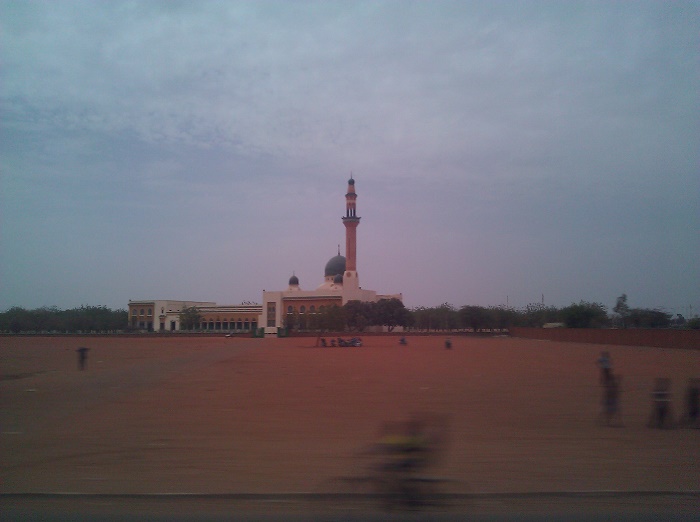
[(605, 365), (661, 410), (692, 404), (323, 342), (611, 399), (82, 357), (403, 341), (448, 344)]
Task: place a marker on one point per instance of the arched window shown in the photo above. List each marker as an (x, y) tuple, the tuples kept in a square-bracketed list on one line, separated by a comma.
[(142, 312), (211, 325), (134, 311), (290, 309), (302, 310), (150, 311), (312, 309), (246, 325)]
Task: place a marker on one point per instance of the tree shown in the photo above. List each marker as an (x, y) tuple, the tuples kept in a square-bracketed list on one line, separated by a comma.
[(422, 318), (475, 317), (648, 318), (331, 318), (503, 317), (303, 322), (446, 317), (358, 315), (694, 323), (585, 315), (44, 319), (291, 320), (535, 315), (390, 313), (51, 319), (190, 318), (16, 320), (622, 310)]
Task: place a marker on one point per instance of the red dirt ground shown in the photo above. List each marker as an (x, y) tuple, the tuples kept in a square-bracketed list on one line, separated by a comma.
[(224, 415)]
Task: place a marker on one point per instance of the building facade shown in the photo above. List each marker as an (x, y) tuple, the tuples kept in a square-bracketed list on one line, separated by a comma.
[(164, 316)]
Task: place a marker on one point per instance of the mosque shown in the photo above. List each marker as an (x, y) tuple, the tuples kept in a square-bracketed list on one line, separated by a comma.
[(280, 308), (340, 285)]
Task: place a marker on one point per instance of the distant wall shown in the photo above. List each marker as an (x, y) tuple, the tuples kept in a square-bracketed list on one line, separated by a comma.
[(661, 338)]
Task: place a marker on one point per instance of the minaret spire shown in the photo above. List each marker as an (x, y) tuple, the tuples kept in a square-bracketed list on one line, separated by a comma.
[(351, 221)]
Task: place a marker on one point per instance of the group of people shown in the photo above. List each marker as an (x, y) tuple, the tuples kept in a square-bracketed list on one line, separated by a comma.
[(661, 412), (355, 341), (448, 343)]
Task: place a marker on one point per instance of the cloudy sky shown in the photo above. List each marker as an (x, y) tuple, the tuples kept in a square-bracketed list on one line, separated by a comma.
[(503, 151)]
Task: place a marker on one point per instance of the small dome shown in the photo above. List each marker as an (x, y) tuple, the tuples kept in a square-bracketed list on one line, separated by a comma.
[(351, 181), (336, 265), (338, 279), (294, 280)]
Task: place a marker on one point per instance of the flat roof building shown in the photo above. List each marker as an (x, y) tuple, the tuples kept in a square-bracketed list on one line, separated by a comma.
[(164, 315)]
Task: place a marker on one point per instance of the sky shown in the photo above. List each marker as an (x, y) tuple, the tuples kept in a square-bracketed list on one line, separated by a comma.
[(503, 152)]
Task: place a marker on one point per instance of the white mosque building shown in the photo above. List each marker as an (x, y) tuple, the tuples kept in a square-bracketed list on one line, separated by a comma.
[(341, 281)]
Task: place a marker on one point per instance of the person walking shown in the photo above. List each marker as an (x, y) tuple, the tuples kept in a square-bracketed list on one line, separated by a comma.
[(82, 357), (611, 400), (605, 365), (661, 414)]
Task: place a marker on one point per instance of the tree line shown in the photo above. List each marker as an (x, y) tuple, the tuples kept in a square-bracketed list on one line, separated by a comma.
[(352, 316), (86, 319), (583, 314), (358, 317)]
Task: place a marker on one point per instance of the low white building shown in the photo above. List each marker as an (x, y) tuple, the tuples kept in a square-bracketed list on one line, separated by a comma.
[(164, 315)]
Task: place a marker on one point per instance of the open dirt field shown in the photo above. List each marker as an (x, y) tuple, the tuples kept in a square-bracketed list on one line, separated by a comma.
[(223, 415)]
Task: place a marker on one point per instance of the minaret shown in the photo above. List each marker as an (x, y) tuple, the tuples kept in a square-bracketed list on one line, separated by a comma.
[(350, 220)]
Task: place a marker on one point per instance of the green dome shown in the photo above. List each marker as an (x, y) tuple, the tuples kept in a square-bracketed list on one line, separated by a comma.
[(335, 266)]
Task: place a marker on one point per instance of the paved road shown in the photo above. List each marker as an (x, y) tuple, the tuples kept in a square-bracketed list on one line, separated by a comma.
[(273, 508)]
